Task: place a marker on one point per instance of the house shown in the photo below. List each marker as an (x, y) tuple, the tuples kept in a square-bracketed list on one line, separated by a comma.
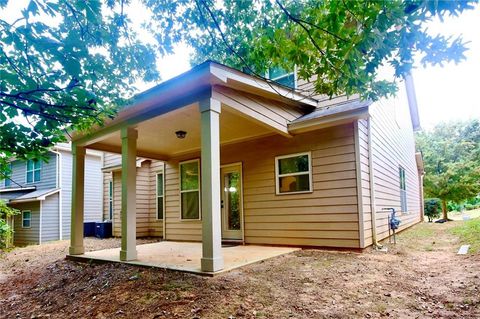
[(219, 155), (42, 192)]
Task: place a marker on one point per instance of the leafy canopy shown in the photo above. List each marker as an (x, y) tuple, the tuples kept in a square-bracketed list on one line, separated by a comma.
[(338, 44), (451, 154), (72, 63), (65, 64)]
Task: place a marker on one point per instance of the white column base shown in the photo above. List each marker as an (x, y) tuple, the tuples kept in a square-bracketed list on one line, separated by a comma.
[(212, 264), (76, 250), (128, 255)]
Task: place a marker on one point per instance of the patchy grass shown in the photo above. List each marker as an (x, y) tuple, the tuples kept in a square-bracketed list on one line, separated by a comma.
[(469, 233), (475, 213), (420, 277)]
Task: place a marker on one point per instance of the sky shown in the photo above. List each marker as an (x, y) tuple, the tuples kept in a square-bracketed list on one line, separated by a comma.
[(444, 93)]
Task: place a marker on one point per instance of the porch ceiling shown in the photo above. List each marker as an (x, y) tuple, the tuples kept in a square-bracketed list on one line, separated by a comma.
[(157, 138)]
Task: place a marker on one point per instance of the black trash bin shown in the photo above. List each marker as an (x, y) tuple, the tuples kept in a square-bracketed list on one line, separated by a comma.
[(103, 229), (89, 229)]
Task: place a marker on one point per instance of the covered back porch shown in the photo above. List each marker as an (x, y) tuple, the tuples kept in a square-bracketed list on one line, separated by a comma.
[(195, 113)]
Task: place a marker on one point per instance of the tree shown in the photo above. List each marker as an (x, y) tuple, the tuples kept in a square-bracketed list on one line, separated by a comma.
[(65, 65), (6, 230), (451, 155), (338, 44), (76, 72)]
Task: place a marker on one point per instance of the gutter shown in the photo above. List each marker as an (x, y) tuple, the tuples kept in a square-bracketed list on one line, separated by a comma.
[(18, 189)]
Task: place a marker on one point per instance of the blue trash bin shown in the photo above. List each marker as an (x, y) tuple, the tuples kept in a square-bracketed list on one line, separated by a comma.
[(103, 229), (89, 229)]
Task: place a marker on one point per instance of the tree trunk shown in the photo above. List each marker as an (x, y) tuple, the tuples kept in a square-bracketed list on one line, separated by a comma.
[(444, 210)]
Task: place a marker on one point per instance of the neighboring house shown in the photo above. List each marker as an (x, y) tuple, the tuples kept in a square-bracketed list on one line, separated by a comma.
[(42, 192), (234, 158)]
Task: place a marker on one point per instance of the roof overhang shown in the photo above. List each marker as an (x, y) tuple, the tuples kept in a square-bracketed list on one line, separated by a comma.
[(39, 197), (18, 189), (186, 89), (331, 116)]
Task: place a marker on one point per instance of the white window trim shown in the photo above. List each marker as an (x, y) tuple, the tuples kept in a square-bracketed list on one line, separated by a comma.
[(110, 198), (23, 218), (277, 175), (295, 78), (33, 171), (191, 190), (163, 196)]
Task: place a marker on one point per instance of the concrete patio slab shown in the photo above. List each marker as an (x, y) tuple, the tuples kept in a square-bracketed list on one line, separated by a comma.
[(185, 256)]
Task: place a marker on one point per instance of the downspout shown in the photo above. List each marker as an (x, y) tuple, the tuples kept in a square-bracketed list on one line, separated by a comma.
[(371, 171), (60, 197)]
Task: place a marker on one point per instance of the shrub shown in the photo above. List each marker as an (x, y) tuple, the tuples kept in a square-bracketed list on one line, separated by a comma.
[(6, 231), (433, 208)]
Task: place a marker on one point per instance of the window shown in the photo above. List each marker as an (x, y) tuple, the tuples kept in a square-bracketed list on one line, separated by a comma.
[(403, 189), (190, 190), (282, 77), (293, 173), (33, 171), (7, 175), (110, 199), (26, 219), (160, 197)]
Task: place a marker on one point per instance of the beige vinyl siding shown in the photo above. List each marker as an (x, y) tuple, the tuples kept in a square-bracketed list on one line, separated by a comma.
[(263, 110), (109, 159), (142, 203), (145, 204), (364, 184), (155, 225), (393, 145), (307, 88), (25, 236), (328, 216)]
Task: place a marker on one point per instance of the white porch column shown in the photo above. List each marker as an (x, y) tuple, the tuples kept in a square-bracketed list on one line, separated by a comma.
[(76, 222), (212, 259), (129, 194)]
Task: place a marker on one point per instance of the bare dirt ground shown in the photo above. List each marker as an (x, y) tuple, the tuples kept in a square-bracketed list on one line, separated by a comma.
[(420, 277)]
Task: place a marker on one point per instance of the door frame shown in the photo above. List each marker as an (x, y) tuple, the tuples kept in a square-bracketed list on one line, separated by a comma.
[(242, 219)]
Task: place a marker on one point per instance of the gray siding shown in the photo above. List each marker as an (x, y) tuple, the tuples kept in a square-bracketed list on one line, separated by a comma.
[(47, 174), (93, 190), (50, 218), (24, 236)]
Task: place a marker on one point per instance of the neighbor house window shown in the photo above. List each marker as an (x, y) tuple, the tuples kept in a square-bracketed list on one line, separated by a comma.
[(282, 76), (293, 173), (8, 175), (190, 189), (26, 219), (110, 199), (403, 189), (33, 171), (160, 196)]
